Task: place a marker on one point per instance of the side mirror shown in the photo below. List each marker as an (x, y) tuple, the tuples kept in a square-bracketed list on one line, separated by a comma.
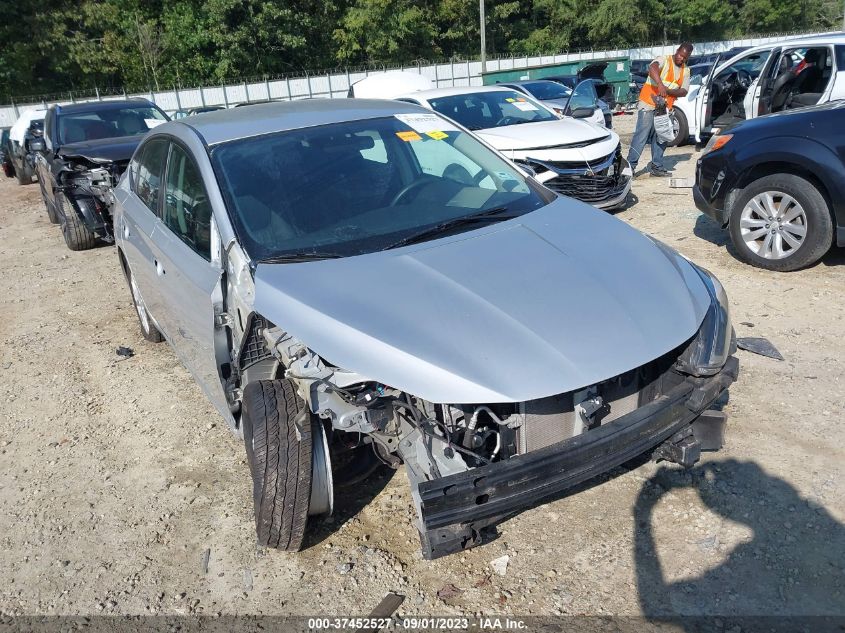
[(582, 113), (36, 145)]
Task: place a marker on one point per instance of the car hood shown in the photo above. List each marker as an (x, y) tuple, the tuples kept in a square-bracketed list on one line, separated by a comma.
[(104, 150), (552, 301), (543, 134)]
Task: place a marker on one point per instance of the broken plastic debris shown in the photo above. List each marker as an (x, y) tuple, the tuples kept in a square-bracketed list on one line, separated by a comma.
[(500, 565), (125, 352), (758, 345)]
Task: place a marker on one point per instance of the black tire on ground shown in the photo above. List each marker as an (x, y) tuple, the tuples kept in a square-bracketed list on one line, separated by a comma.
[(78, 237), (24, 174), (51, 210), (280, 461), (819, 227), (683, 128), (148, 329)]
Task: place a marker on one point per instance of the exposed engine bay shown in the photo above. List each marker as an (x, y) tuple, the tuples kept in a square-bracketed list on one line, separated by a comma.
[(88, 186)]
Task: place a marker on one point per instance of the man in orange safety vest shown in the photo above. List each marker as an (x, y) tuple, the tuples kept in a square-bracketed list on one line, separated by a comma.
[(668, 78)]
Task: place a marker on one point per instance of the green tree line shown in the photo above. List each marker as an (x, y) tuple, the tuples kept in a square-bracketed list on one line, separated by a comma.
[(48, 47)]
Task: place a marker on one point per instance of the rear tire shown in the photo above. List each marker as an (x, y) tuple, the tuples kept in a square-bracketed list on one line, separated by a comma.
[(803, 239), (78, 237), (683, 129), (279, 458), (51, 209), (149, 331), (24, 174)]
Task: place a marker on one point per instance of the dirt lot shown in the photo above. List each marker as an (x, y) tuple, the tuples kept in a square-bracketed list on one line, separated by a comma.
[(116, 475)]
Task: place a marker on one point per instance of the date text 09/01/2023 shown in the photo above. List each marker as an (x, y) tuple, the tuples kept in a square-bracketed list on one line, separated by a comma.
[(418, 623)]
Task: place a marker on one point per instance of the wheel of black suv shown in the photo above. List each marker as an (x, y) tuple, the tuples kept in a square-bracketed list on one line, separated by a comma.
[(51, 210), (781, 223), (148, 330), (24, 174), (279, 458), (681, 128), (78, 237)]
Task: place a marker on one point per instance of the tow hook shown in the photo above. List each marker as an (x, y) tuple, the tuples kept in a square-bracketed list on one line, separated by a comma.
[(682, 448)]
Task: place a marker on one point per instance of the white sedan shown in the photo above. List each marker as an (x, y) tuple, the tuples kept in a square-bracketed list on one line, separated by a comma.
[(570, 156)]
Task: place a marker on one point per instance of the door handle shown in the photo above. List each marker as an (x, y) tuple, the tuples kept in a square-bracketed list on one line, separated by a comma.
[(159, 268)]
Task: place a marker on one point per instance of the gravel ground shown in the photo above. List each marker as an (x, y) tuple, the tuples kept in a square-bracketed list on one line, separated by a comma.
[(118, 478)]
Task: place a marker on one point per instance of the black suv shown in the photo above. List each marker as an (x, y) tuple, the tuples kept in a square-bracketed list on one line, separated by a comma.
[(778, 184), (87, 147)]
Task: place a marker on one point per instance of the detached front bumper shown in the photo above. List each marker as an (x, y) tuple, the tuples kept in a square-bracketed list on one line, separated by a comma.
[(454, 509)]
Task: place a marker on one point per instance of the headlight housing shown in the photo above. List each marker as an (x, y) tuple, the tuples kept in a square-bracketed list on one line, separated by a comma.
[(716, 142), (715, 341)]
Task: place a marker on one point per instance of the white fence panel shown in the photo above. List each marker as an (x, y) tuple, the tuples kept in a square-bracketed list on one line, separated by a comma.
[(336, 85)]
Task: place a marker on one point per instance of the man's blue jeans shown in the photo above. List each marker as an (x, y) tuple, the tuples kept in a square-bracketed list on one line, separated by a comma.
[(643, 134)]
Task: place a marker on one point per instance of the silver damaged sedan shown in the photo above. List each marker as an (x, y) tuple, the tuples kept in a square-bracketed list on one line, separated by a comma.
[(357, 282)]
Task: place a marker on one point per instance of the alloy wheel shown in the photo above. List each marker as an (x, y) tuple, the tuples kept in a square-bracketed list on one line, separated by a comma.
[(773, 225)]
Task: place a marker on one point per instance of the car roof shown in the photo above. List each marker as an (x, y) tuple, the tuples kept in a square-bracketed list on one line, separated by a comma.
[(97, 106), (222, 126), (451, 92)]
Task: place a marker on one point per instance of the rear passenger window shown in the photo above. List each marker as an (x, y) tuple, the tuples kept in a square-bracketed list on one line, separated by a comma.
[(187, 211), (146, 177)]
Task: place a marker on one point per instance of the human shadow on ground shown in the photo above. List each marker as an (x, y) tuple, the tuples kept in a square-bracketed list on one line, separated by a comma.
[(793, 567)]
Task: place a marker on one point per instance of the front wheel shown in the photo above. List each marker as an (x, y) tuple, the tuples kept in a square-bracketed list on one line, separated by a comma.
[(781, 222), (78, 237), (278, 431)]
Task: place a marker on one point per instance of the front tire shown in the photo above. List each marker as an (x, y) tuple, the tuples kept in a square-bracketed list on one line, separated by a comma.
[(78, 237), (279, 455), (681, 128), (781, 223)]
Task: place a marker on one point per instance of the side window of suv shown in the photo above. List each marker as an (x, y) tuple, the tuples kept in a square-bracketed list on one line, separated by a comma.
[(187, 211), (146, 174)]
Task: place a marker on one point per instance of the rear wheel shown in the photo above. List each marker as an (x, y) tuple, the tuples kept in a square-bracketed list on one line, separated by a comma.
[(78, 237), (24, 174), (280, 460), (781, 222), (51, 209), (148, 330), (681, 128)]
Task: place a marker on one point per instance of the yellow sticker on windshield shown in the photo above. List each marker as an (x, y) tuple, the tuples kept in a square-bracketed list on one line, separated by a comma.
[(510, 100), (437, 135), (409, 135)]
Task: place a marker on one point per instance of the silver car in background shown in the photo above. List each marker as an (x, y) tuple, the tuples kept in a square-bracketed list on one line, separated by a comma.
[(354, 282)]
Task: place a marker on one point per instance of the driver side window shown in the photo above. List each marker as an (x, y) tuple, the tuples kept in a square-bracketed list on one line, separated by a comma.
[(187, 211)]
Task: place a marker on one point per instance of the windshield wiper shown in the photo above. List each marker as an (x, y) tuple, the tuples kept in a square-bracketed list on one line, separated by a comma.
[(490, 215), (292, 258)]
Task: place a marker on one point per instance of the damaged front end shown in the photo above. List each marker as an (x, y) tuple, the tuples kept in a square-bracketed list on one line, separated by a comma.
[(87, 185), (472, 465), (603, 182)]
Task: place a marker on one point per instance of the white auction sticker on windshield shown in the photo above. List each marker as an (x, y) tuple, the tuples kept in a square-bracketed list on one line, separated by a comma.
[(524, 106), (425, 123), (151, 123)]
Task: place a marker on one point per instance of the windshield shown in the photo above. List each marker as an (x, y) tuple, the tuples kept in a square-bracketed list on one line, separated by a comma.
[(483, 110), (545, 90), (361, 186), (76, 127)]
